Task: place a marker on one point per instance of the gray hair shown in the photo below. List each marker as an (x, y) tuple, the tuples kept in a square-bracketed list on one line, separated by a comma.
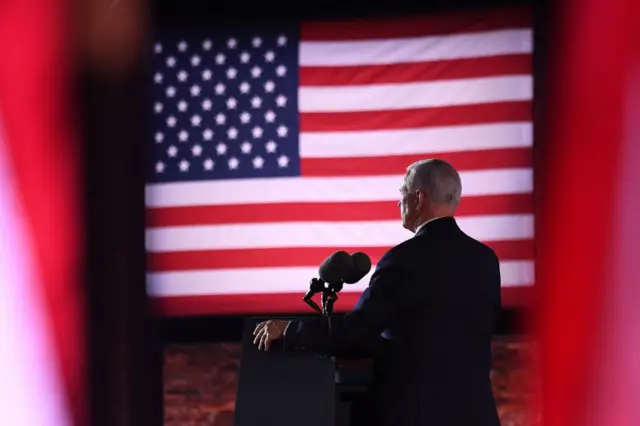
[(438, 179)]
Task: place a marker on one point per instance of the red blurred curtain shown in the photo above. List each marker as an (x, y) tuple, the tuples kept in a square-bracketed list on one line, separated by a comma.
[(582, 292), (41, 198)]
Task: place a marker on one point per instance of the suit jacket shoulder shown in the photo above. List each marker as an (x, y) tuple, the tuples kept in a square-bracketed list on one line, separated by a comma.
[(400, 253)]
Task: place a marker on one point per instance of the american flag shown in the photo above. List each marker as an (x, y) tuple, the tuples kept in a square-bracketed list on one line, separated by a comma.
[(275, 146)]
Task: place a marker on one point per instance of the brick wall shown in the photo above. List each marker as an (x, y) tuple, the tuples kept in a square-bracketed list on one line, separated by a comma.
[(200, 382)]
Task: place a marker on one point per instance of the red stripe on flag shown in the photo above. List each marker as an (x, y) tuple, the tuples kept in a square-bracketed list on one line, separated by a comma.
[(418, 26), (397, 164), (295, 256), (276, 304), (325, 212), (413, 72), (497, 112)]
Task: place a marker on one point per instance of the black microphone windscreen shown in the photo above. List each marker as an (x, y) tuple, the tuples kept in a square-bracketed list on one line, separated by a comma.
[(335, 267), (361, 265)]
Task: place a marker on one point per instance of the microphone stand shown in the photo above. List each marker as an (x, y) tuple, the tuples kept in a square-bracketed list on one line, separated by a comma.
[(329, 295), (315, 286)]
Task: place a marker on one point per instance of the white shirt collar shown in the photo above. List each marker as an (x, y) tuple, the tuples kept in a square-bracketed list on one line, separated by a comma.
[(430, 220)]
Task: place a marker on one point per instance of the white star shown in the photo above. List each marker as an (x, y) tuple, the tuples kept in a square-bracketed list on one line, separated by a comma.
[(171, 91), (171, 121), (207, 74), (282, 131), (245, 117), (282, 40), (208, 164), (232, 103), (271, 147), (232, 133), (269, 116), (182, 76), (283, 161), (245, 147), (258, 162), (183, 136), (196, 120), (184, 166), (182, 46), (171, 61), (221, 148), (157, 48), (245, 87), (206, 44), (182, 106), (159, 167), (172, 151), (256, 42), (220, 119), (232, 43), (220, 88), (207, 134), (269, 56), (195, 90), (269, 86), (232, 73), (206, 104), (233, 163), (157, 107), (220, 58), (281, 70), (256, 72), (157, 78), (159, 137), (281, 101), (195, 60), (256, 132), (196, 150), (245, 57), (256, 102)]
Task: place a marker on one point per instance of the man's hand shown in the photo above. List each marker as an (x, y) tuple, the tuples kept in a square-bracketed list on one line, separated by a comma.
[(268, 331)]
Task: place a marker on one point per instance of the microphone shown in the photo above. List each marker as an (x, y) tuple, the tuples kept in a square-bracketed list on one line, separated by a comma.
[(331, 271), (337, 269), (360, 266)]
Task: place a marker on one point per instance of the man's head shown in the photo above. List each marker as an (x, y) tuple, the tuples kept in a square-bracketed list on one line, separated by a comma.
[(431, 189)]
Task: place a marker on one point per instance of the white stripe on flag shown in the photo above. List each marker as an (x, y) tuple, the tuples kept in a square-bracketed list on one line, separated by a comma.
[(418, 49), (323, 234), (383, 97), (283, 280), (31, 391), (415, 141), (350, 189)]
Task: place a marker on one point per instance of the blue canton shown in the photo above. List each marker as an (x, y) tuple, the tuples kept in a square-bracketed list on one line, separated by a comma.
[(225, 106)]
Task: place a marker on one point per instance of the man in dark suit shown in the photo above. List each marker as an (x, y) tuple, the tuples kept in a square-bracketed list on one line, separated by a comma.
[(434, 300)]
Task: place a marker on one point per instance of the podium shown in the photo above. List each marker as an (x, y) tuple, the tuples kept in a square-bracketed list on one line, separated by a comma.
[(288, 388)]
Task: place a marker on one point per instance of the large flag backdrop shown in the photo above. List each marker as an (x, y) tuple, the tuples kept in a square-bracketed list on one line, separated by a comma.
[(275, 146)]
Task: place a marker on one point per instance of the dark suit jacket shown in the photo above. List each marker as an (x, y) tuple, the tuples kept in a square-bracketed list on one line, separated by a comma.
[(434, 300)]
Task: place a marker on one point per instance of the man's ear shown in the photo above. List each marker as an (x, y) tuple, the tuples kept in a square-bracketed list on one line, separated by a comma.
[(420, 198)]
